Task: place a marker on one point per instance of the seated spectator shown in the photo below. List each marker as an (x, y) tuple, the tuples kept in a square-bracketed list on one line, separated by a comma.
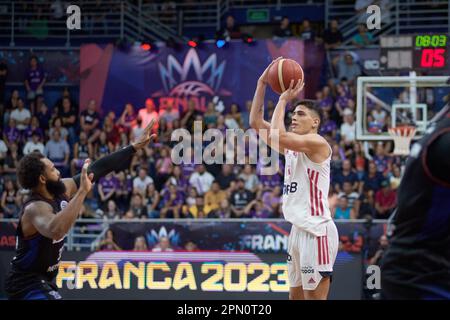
[(373, 126), (346, 175), (230, 31), (172, 202), (307, 32), (11, 162), (284, 29), (34, 145), (11, 133), (365, 207), (213, 198), (373, 179), (385, 201), (141, 182), (201, 179), (240, 198), (164, 167), (250, 178), (163, 245), (164, 132), (82, 150), (363, 38), (34, 127), (90, 121), (152, 201), (383, 245), (35, 80), (111, 131), (381, 160), (343, 211), (189, 117), (44, 115), (190, 246), (395, 177), (211, 115), (169, 114), (107, 187), (147, 114), (111, 211), (332, 36), (102, 147), (257, 209), (378, 114), (57, 126), (21, 115), (58, 151), (326, 101), (108, 242), (59, 105), (348, 68), (69, 118), (197, 211), (226, 176), (137, 207), (124, 191), (10, 105), (348, 128), (10, 201), (347, 191), (272, 199), (328, 126), (343, 100), (178, 178), (128, 119), (140, 244)]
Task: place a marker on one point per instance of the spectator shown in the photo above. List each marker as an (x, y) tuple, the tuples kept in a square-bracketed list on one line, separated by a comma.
[(10, 202), (111, 131), (3, 151), (272, 199), (372, 181), (284, 29), (11, 161), (111, 212), (169, 114), (163, 245), (57, 126), (153, 200), (58, 151), (10, 105), (90, 121), (346, 174), (197, 210), (34, 145), (21, 116), (34, 127), (363, 38), (307, 32), (58, 107), (385, 201), (107, 187), (230, 31), (347, 191), (348, 68), (382, 161), (43, 114), (188, 119), (257, 209), (343, 211), (250, 178), (82, 150), (108, 243), (365, 207), (343, 100), (164, 167), (11, 133), (140, 244), (348, 128), (147, 114), (103, 147), (35, 79), (124, 191), (190, 246), (201, 179), (213, 198), (173, 200), (69, 118), (395, 177), (333, 36), (240, 199), (137, 206), (178, 178), (226, 176), (128, 119), (141, 182), (384, 244), (211, 115)]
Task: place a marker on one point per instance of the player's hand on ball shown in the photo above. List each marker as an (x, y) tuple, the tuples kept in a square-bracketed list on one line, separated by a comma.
[(292, 92), (86, 179), (263, 78), (146, 136)]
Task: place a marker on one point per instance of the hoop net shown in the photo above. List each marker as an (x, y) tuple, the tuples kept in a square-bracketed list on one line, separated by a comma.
[(402, 137)]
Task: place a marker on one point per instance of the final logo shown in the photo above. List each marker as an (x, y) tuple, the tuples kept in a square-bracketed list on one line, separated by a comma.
[(191, 80)]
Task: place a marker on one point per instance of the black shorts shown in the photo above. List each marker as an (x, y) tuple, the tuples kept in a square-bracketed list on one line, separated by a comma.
[(27, 286)]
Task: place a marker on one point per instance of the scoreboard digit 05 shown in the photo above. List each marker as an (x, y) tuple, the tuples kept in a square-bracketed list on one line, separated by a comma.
[(431, 51)]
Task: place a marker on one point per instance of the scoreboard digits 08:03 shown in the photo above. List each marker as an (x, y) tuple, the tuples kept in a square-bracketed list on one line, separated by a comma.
[(418, 52)]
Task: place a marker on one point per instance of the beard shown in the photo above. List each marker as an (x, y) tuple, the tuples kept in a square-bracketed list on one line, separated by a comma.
[(56, 188)]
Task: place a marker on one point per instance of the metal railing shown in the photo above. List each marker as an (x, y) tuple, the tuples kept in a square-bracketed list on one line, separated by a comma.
[(88, 233)]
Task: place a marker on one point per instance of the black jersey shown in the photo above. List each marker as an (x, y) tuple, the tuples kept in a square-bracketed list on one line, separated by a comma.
[(417, 262), (38, 254), (83, 151)]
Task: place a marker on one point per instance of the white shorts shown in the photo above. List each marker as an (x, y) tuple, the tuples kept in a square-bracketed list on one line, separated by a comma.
[(311, 258)]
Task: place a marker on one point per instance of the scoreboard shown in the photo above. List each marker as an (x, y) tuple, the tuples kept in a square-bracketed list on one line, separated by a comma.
[(418, 52)]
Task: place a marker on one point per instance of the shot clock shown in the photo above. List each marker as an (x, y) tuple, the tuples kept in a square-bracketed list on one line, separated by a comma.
[(414, 52)]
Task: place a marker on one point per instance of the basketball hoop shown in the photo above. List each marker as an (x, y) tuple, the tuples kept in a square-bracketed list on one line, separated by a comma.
[(402, 136)]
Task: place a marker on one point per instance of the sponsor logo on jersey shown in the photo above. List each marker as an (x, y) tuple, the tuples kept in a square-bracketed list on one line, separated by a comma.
[(63, 204), (307, 270), (290, 188), (311, 281), (289, 258)]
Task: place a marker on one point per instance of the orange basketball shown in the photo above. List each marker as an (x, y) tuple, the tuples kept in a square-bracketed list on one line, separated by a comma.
[(282, 72)]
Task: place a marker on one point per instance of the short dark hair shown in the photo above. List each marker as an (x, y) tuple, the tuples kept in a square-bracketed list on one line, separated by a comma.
[(29, 169), (311, 105)]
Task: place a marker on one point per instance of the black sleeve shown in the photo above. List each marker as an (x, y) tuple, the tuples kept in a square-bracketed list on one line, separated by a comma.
[(438, 158), (116, 161)]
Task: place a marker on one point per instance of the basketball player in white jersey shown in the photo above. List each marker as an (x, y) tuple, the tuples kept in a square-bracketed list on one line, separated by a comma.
[(313, 241)]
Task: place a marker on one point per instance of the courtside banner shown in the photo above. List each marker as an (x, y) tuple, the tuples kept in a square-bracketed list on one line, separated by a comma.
[(182, 275)]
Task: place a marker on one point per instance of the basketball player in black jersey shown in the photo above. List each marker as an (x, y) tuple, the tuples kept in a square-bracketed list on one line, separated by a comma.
[(49, 213), (417, 263)]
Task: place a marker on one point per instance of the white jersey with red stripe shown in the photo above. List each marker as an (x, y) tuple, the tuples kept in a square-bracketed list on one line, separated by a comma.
[(305, 192)]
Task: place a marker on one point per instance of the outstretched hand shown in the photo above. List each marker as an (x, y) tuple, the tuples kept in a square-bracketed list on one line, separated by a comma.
[(145, 137), (292, 92), (264, 76)]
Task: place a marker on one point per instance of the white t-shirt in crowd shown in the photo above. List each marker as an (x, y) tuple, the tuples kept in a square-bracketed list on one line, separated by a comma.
[(140, 184), (348, 131), (20, 116), (202, 182), (30, 146)]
